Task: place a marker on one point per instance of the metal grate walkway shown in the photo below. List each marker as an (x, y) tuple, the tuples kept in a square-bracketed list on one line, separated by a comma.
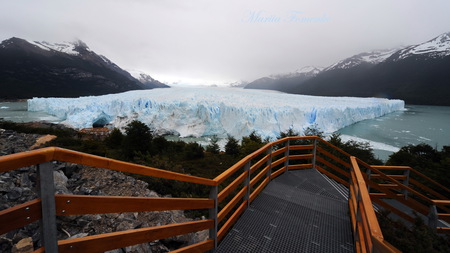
[(300, 211)]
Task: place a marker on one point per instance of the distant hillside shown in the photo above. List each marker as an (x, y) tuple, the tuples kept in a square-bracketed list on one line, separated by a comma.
[(284, 82), (418, 74), (40, 69)]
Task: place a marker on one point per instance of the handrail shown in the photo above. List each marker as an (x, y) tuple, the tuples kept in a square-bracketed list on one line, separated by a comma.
[(365, 224), (28, 158), (240, 185)]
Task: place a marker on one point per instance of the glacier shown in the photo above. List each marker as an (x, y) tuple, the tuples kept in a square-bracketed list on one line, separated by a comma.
[(215, 111)]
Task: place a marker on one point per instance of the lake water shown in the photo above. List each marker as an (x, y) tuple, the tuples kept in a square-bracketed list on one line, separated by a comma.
[(417, 124)]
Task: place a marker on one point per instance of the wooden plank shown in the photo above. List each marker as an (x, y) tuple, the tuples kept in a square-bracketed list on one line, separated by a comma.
[(444, 216), (115, 240), (66, 155), (279, 161), (27, 158), (279, 151), (430, 180), (230, 222), (441, 202), (381, 245), (260, 175), (40, 250), (259, 163), (366, 225), (384, 195), (301, 147), (426, 188), (20, 215), (334, 147), (223, 213), (233, 169), (335, 158), (232, 186), (413, 204), (277, 173), (390, 186), (196, 247), (394, 210), (375, 229), (397, 177), (300, 166), (301, 157), (84, 204), (331, 175), (334, 167), (258, 190), (352, 215), (380, 167), (443, 230)]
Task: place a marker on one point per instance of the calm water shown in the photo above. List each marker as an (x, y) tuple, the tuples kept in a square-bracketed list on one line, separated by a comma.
[(17, 112), (417, 124)]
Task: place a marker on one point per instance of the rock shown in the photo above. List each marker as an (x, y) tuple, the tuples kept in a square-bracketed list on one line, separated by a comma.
[(15, 193), (60, 182), (140, 248), (23, 246)]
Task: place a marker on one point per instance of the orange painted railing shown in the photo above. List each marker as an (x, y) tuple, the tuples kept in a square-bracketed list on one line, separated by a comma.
[(231, 193)]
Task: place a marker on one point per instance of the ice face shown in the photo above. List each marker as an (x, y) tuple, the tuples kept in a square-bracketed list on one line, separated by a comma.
[(215, 111)]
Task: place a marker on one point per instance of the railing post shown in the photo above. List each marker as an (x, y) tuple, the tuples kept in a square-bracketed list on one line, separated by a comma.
[(286, 154), (213, 215), (247, 182), (369, 176), (47, 195), (433, 217), (406, 182), (314, 154), (269, 162)]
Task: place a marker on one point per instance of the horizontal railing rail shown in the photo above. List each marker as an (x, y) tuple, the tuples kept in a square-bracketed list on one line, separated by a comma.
[(231, 193)]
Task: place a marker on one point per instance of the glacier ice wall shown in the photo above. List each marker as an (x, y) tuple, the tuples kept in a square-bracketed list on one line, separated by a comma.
[(215, 111)]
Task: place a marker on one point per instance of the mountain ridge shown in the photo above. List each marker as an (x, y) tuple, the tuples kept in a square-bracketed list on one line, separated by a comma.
[(68, 69), (417, 74)]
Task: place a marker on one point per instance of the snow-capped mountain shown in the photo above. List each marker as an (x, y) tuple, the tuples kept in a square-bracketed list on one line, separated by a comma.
[(146, 79), (418, 74), (68, 69), (373, 57), (285, 81), (309, 71), (438, 47), (64, 47)]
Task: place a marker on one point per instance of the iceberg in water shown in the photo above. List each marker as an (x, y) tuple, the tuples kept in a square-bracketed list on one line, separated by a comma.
[(215, 111)]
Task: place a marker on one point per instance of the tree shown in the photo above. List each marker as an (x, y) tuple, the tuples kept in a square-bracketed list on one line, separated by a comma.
[(114, 140), (251, 143), (213, 147), (138, 139), (193, 151), (313, 130), (232, 146), (362, 150)]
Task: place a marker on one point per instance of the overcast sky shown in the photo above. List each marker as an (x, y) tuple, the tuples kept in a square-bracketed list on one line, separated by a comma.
[(197, 40)]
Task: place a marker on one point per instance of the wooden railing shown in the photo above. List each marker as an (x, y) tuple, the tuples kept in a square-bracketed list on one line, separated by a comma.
[(231, 193)]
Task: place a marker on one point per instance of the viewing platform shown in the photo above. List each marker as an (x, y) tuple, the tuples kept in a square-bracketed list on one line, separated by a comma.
[(296, 194), (300, 211)]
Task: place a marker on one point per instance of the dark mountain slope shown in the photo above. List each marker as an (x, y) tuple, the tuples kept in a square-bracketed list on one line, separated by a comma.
[(31, 69)]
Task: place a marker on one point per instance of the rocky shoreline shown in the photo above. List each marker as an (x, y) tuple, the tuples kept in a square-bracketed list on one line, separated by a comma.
[(19, 186)]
